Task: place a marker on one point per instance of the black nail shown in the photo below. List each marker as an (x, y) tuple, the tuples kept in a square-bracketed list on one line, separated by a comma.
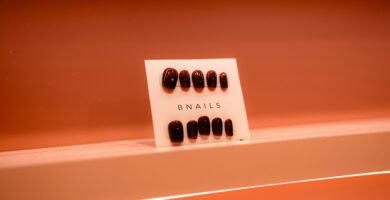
[(192, 129), (198, 79), (169, 78), (175, 129), (216, 125), (184, 77), (204, 125), (229, 127), (223, 80), (211, 77)]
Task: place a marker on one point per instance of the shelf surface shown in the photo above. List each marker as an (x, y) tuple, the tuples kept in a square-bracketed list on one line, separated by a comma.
[(136, 169), (357, 187)]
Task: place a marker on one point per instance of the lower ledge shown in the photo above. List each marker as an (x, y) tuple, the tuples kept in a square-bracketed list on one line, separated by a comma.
[(136, 169)]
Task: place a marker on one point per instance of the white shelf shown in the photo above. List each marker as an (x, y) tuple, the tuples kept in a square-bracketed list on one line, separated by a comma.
[(136, 169)]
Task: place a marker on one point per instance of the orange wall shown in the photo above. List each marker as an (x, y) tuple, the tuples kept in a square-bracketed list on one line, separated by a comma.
[(73, 73)]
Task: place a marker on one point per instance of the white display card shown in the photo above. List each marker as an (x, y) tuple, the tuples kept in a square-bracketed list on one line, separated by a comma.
[(190, 104)]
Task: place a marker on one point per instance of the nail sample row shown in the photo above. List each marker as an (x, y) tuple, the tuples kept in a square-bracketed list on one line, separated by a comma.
[(170, 77), (202, 126)]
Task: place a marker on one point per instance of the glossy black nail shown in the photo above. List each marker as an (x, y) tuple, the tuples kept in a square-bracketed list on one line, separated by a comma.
[(223, 80), (198, 79), (211, 78), (229, 127), (204, 125), (192, 129), (175, 129), (185, 80), (216, 125), (169, 78)]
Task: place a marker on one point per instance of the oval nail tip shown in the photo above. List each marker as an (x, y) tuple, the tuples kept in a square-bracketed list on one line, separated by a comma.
[(223, 80), (198, 79), (211, 78), (175, 130), (169, 78), (184, 78), (192, 129), (217, 125), (229, 127), (204, 125)]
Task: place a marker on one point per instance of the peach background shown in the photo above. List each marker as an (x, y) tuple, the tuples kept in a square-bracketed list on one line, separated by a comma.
[(73, 72)]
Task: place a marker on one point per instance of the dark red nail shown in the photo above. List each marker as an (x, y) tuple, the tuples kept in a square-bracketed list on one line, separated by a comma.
[(216, 125), (229, 127), (169, 78), (223, 80), (198, 79), (192, 129), (184, 77), (175, 129), (211, 78), (204, 125)]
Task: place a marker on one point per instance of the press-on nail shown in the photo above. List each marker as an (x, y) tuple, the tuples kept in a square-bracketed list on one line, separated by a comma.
[(223, 80), (169, 78), (175, 129), (192, 129), (216, 125), (229, 127), (204, 125), (184, 77), (211, 77), (198, 79)]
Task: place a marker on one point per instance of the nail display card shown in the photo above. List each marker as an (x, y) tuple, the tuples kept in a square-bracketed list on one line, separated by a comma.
[(186, 104)]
